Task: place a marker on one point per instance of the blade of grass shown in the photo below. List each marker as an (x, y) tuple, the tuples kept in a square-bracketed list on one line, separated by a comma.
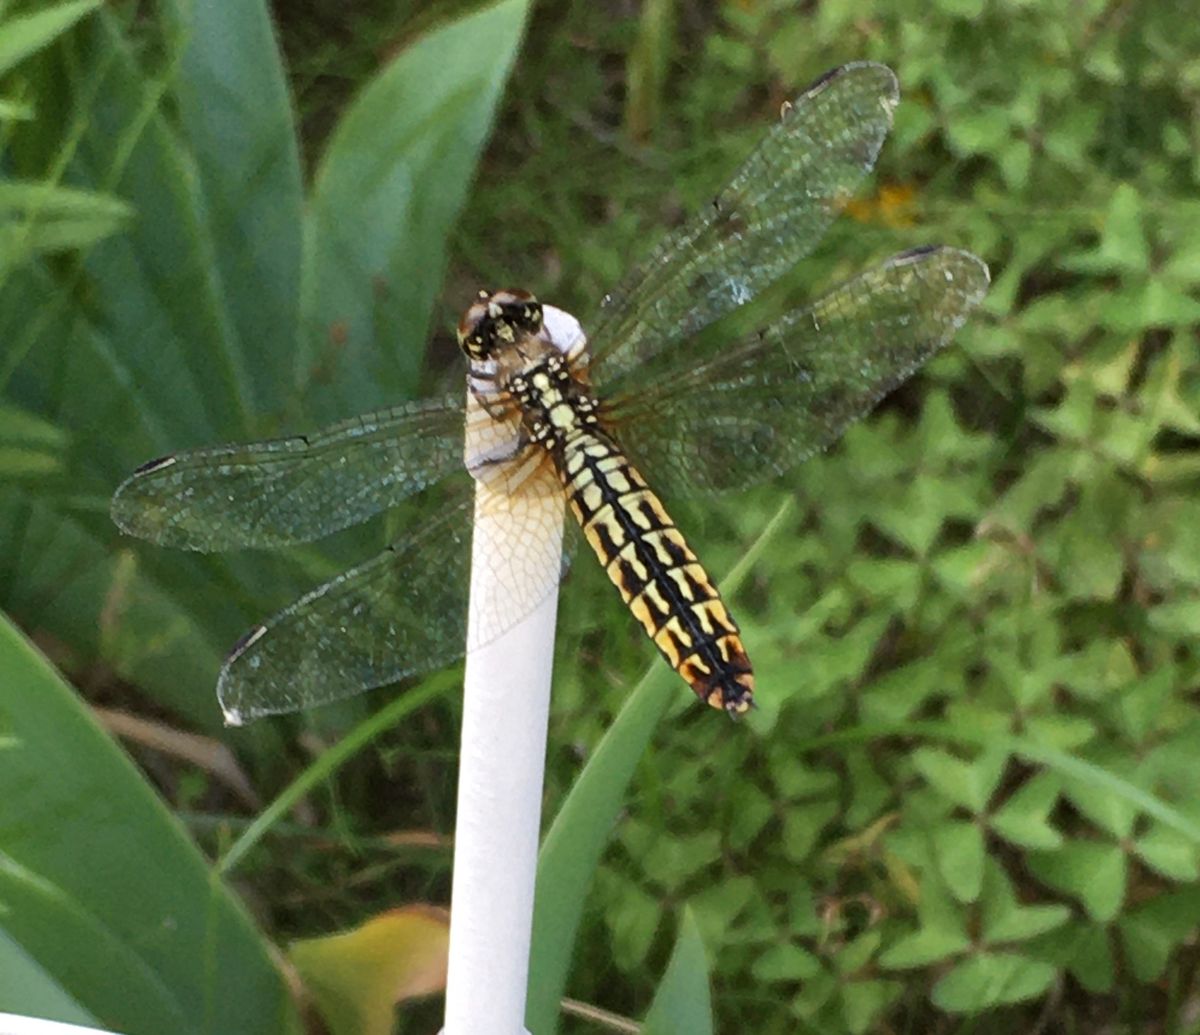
[(27, 34), (683, 1001)]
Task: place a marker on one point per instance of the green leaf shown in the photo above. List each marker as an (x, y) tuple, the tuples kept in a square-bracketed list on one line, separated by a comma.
[(857, 954), (871, 793), (923, 947), (794, 778), (1089, 564), (1041, 485), (234, 108), (1006, 920), (103, 604), (1061, 731), (682, 1004), (960, 570), (29, 446), (992, 979), (1094, 872), (960, 852), (1140, 703), (892, 583), (1154, 930), (572, 847), (1133, 308), (389, 187), (985, 130), (171, 335), (969, 730), (1024, 818), (15, 111), (802, 826), (1183, 265), (815, 994), (967, 9), (23, 981), (943, 930), (785, 963), (27, 34), (967, 784), (1114, 815), (1123, 241), (671, 860), (1074, 417), (1084, 949), (754, 811), (647, 67), (916, 519), (44, 219), (864, 1001), (1178, 619), (1168, 852), (721, 905), (897, 694), (110, 898), (1016, 160), (633, 919)]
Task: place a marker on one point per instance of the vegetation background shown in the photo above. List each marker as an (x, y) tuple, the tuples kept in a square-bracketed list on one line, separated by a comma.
[(969, 801)]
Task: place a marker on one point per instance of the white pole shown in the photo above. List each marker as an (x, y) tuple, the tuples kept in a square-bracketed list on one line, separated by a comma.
[(506, 706)]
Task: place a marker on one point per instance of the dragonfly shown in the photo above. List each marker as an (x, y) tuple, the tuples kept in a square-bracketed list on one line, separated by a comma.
[(644, 407)]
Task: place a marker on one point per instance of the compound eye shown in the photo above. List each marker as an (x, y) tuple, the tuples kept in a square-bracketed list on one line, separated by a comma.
[(474, 328), (519, 309)]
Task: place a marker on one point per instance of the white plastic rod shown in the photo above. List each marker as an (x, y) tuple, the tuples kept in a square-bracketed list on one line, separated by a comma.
[(506, 706)]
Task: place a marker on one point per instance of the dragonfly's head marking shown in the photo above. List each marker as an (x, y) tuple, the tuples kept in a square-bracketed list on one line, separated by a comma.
[(497, 319)]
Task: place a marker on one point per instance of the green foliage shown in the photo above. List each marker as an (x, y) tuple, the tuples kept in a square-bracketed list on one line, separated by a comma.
[(682, 1005), (1018, 558), (26, 34), (967, 802), (114, 910), (158, 298)]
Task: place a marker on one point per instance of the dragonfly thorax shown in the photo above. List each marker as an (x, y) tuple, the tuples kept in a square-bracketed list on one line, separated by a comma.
[(553, 401), (497, 320)]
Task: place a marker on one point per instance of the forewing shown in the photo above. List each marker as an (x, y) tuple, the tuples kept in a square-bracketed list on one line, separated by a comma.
[(292, 490), (770, 215), (401, 614), (742, 412)]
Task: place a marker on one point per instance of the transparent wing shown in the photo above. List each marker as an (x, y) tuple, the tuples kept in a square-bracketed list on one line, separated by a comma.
[(771, 214), (292, 490), (745, 411), (400, 614)]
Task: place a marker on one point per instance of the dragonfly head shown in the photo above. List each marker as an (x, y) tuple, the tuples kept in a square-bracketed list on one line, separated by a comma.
[(497, 319)]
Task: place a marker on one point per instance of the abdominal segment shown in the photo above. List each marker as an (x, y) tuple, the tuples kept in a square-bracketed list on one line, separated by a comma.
[(654, 569)]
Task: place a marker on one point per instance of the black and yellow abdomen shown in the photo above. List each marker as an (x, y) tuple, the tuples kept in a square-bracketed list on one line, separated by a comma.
[(645, 555), (652, 566)]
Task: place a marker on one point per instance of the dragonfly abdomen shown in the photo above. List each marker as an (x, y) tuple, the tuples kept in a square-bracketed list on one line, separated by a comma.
[(654, 569)]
